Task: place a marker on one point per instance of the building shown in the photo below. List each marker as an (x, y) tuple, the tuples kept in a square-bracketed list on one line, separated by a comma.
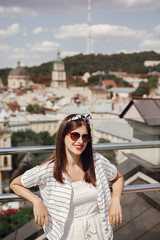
[(135, 82), (58, 73), (125, 93), (35, 122), (18, 78), (5, 160), (99, 92), (140, 210), (86, 76), (143, 115), (151, 63)]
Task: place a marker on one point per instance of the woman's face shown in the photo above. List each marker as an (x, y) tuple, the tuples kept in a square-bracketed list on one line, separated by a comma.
[(76, 141)]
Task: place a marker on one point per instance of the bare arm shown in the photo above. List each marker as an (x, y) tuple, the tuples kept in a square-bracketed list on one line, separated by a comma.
[(39, 209), (115, 210)]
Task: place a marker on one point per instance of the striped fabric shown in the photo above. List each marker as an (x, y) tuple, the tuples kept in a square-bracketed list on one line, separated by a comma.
[(57, 196)]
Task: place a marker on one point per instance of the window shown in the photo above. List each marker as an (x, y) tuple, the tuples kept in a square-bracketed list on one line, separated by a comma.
[(5, 162), (4, 143)]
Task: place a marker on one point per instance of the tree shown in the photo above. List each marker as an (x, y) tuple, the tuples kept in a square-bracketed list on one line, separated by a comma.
[(11, 222), (109, 154), (141, 90), (152, 82), (30, 138), (35, 109), (94, 80)]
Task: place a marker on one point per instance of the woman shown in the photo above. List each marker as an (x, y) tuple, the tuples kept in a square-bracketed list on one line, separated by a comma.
[(75, 198)]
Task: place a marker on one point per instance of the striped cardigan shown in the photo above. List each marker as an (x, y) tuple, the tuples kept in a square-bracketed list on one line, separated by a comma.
[(57, 196)]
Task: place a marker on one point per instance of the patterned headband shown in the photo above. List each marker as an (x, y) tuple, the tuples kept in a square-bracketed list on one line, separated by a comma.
[(84, 117)]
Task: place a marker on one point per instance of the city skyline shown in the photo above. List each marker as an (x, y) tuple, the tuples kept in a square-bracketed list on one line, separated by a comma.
[(33, 31)]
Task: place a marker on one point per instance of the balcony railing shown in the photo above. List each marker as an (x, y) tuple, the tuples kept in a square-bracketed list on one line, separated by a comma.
[(99, 146)]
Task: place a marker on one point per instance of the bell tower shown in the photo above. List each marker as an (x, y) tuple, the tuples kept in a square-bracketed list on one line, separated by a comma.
[(58, 73)]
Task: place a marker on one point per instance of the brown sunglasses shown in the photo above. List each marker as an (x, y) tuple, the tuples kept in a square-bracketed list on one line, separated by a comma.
[(75, 136)]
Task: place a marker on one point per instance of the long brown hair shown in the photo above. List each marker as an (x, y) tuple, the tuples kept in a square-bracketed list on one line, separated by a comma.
[(59, 156)]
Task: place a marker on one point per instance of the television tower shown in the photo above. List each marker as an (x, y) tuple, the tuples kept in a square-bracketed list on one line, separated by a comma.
[(89, 39)]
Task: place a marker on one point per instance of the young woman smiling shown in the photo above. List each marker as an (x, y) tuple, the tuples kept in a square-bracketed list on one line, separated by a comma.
[(75, 202)]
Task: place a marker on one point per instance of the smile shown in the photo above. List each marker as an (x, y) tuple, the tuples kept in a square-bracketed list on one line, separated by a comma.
[(79, 147)]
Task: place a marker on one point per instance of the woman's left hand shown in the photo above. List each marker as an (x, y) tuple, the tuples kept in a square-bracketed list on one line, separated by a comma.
[(115, 211)]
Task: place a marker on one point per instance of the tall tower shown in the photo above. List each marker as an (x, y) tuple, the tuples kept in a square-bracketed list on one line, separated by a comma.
[(89, 38), (58, 73)]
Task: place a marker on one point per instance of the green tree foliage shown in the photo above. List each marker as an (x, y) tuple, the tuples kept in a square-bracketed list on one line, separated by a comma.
[(94, 80), (41, 78), (4, 75), (109, 154), (138, 68), (4, 226), (152, 82), (141, 90), (35, 109), (119, 81), (21, 217), (79, 64), (145, 87), (30, 138), (10, 222)]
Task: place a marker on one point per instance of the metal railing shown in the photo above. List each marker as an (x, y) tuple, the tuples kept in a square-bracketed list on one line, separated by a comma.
[(99, 146), (127, 189)]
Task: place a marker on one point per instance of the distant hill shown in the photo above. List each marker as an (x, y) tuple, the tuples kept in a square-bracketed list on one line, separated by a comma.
[(79, 64)]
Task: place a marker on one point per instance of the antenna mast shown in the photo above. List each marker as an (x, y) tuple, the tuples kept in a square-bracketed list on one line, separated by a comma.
[(89, 39)]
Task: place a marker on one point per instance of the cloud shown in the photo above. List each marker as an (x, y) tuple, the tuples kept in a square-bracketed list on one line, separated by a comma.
[(31, 54), (125, 5), (45, 46), (72, 31), (10, 31), (69, 53), (53, 6), (99, 31), (157, 29), (7, 11), (30, 51), (152, 44), (38, 30)]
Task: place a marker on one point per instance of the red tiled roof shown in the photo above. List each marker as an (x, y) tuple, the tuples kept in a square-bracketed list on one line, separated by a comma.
[(108, 83)]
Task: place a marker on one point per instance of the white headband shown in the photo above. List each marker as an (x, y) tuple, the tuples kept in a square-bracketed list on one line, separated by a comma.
[(84, 117)]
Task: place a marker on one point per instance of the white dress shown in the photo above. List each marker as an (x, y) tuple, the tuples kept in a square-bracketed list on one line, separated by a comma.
[(84, 220)]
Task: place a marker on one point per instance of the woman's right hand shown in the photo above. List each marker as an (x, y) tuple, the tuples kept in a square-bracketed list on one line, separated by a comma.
[(40, 213)]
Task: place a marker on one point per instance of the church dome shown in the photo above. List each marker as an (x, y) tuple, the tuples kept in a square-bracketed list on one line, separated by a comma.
[(18, 71)]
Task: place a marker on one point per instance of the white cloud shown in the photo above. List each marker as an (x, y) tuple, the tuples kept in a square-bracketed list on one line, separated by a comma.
[(10, 31), (72, 31), (13, 29), (99, 31), (151, 44), (115, 31), (5, 11), (45, 46), (31, 54), (69, 53), (15, 10), (38, 30), (157, 29)]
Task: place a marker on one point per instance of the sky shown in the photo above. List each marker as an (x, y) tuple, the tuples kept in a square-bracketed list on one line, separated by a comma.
[(32, 31)]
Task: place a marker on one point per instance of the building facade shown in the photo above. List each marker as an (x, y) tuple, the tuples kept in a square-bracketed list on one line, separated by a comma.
[(58, 73), (5, 160), (18, 78)]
